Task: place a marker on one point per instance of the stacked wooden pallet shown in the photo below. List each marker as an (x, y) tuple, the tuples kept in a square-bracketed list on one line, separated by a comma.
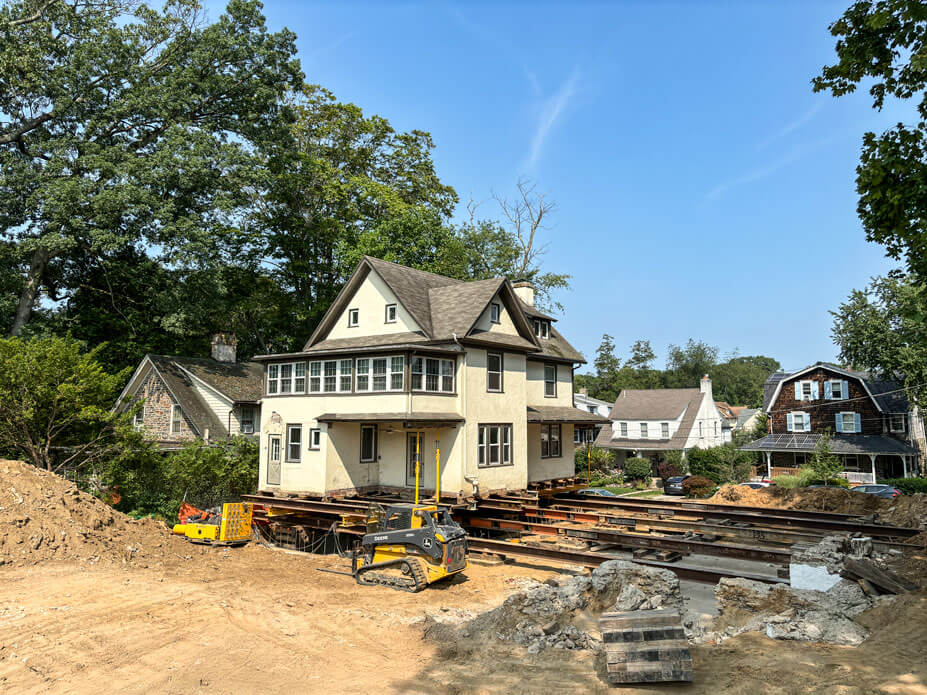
[(645, 647)]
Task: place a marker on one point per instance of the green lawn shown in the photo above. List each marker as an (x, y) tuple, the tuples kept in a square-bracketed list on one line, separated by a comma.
[(647, 493), (617, 489)]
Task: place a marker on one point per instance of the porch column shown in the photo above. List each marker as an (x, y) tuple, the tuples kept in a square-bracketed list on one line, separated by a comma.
[(768, 465), (872, 457), (904, 466)]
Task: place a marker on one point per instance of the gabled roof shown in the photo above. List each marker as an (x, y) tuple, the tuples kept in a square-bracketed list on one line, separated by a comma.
[(887, 394), (194, 408), (651, 404), (665, 403), (240, 382), (445, 309)]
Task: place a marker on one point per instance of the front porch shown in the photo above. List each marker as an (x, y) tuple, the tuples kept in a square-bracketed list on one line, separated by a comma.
[(865, 458)]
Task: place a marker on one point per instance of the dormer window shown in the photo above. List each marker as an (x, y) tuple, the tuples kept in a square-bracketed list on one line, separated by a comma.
[(390, 313), (542, 328), (353, 318), (495, 313)]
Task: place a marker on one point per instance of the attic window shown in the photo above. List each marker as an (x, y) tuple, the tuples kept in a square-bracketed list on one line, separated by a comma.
[(353, 317), (390, 313), (495, 313), (176, 419), (542, 328)]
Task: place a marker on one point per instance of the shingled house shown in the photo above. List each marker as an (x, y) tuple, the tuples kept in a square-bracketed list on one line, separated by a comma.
[(870, 420), (650, 422), (185, 398), (468, 378)]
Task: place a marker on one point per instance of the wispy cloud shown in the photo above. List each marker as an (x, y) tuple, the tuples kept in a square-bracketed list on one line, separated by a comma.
[(331, 46), (550, 113), (793, 155), (792, 126)]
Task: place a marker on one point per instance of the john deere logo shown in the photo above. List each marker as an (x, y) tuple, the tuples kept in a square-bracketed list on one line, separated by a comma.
[(427, 542)]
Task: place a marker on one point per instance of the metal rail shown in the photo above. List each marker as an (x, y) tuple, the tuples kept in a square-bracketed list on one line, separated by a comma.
[(295, 504), (742, 552), (777, 518), (587, 559)]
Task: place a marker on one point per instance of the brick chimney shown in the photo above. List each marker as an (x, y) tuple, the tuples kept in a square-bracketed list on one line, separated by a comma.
[(525, 291), (224, 347), (705, 387)]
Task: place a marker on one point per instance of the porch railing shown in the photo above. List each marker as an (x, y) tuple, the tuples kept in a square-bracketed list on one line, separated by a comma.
[(858, 478)]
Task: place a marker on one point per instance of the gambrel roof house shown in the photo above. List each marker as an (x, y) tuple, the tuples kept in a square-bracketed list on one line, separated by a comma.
[(466, 377), (186, 398), (652, 421), (869, 419)]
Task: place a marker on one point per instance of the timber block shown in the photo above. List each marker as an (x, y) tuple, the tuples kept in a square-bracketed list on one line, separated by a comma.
[(645, 647)]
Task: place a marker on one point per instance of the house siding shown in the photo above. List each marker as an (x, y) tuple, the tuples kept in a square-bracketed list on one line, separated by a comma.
[(822, 413)]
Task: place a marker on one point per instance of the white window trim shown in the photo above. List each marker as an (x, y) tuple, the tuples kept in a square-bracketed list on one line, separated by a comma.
[(341, 372), (801, 388), (891, 422), (176, 417), (623, 430), (645, 430), (286, 454), (664, 430), (389, 374), (839, 382), (138, 420), (315, 439), (542, 328), (495, 312), (353, 318), (500, 372), (554, 381), (504, 445), (395, 312), (806, 421), (843, 421), (276, 381), (423, 374)]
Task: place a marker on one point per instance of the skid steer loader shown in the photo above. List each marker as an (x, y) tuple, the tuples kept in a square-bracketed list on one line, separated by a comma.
[(409, 546)]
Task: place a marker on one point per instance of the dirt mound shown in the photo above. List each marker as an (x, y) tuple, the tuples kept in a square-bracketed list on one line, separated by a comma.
[(908, 510), (45, 517)]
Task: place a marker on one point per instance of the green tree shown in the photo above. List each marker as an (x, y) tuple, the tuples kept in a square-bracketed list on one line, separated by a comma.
[(125, 126), (56, 405), (642, 356), (885, 42), (740, 380), (825, 464), (685, 366)]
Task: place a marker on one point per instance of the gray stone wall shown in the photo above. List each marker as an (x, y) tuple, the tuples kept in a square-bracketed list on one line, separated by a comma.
[(157, 413)]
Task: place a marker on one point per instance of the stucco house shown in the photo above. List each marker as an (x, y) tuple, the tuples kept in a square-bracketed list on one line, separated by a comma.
[(187, 398), (650, 422), (874, 430), (470, 378)]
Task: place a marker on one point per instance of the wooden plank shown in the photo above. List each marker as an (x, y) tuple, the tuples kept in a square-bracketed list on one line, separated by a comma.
[(884, 580)]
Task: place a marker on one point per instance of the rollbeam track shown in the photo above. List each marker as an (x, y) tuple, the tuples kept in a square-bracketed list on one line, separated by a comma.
[(583, 531)]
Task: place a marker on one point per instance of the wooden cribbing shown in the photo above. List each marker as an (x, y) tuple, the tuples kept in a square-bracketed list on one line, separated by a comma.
[(645, 647)]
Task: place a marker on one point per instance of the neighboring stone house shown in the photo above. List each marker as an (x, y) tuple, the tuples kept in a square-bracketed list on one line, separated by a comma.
[(650, 422), (872, 425), (582, 400), (185, 398), (468, 378)]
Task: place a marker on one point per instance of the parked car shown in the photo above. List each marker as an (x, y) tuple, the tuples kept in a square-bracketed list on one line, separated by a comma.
[(886, 491), (673, 486), (756, 485), (597, 492)]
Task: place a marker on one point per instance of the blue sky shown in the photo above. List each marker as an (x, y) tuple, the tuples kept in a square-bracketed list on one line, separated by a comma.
[(702, 189)]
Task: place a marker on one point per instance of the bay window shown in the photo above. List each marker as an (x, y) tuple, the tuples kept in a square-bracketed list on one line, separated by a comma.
[(432, 374)]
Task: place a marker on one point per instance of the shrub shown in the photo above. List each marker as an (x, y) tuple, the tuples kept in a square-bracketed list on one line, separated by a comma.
[(706, 463), (909, 486), (600, 459), (667, 470), (698, 486), (677, 458), (637, 468), (605, 480), (788, 482)]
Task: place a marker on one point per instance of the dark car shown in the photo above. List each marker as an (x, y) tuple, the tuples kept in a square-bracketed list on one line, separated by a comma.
[(673, 486), (754, 485), (597, 492), (886, 491)]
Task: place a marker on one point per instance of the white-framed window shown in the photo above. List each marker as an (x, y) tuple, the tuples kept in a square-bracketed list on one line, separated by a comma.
[(896, 423), (550, 441), (353, 318), (247, 419), (836, 390), (495, 312), (849, 422), (315, 439), (294, 443), (542, 328), (664, 430), (806, 390), (643, 430), (138, 420), (275, 449), (798, 422), (550, 381), (368, 444), (380, 373), (494, 447), (286, 378), (623, 427), (390, 313), (176, 419), (331, 376), (494, 366), (432, 374), (578, 437)]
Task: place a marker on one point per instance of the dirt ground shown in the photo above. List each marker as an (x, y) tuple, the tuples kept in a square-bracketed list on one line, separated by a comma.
[(92, 602)]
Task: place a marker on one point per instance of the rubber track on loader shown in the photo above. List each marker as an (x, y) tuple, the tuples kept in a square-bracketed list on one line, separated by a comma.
[(414, 582)]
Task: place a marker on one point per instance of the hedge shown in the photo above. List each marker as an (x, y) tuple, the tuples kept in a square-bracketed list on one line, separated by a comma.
[(698, 486), (909, 486), (637, 468)]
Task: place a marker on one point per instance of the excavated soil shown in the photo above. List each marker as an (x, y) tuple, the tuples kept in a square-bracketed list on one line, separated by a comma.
[(907, 510), (82, 614)]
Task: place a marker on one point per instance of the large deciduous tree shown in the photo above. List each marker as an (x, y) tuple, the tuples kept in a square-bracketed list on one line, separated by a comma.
[(125, 126)]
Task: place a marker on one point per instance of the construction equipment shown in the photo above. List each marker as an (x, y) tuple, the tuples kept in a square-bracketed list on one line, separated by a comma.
[(409, 546), (230, 527)]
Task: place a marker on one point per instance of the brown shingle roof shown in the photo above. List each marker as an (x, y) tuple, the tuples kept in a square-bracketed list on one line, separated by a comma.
[(667, 403), (238, 381), (455, 308), (181, 387), (651, 404), (405, 338), (411, 287), (557, 346)]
